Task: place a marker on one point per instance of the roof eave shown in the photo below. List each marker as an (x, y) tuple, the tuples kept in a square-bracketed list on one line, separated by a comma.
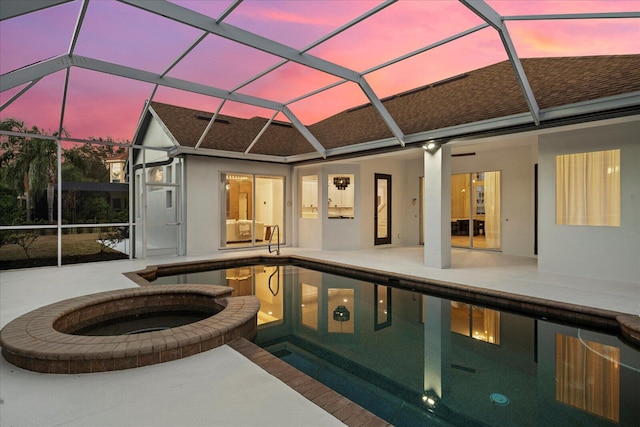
[(516, 123)]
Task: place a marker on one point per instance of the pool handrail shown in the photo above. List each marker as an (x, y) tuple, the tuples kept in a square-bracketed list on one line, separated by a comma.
[(276, 230)]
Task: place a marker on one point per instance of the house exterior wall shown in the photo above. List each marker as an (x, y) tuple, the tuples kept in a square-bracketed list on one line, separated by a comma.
[(205, 193), (338, 233), (160, 240), (400, 231), (308, 233), (588, 251), (516, 165)]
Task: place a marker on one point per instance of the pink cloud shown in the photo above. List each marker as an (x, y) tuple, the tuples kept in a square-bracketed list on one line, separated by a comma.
[(571, 38), (102, 105)]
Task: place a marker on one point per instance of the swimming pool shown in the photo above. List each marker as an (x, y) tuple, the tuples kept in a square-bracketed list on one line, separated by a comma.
[(412, 358)]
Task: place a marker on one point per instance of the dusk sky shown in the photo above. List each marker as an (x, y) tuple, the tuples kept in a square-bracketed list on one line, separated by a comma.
[(101, 105)]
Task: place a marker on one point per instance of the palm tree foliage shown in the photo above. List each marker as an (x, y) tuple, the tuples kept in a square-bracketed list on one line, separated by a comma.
[(28, 164)]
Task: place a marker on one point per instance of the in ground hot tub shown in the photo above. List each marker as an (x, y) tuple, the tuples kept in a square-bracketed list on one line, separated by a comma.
[(128, 328)]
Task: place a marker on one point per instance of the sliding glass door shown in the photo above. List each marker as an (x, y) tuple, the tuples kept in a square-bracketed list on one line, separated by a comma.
[(475, 210), (254, 207)]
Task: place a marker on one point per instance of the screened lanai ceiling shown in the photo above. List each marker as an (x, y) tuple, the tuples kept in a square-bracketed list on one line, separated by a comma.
[(90, 67)]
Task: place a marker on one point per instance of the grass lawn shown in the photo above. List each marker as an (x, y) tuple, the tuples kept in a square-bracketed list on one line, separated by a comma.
[(76, 248)]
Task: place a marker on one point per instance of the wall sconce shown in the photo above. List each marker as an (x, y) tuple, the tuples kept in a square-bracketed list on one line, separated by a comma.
[(341, 314), (432, 146), (341, 182)]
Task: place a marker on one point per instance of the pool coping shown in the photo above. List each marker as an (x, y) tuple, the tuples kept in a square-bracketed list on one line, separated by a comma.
[(625, 325), (34, 341), (345, 410)]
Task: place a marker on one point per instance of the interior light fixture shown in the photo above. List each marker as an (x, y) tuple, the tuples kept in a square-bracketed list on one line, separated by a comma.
[(341, 314), (341, 182)]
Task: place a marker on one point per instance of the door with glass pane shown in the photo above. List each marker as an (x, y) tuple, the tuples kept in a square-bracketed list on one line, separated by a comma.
[(382, 215), (162, 214), (475, 210), (254, 209)]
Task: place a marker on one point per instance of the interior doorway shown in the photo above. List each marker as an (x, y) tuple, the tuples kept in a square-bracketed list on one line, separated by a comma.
[(382, 215), (475, 210)]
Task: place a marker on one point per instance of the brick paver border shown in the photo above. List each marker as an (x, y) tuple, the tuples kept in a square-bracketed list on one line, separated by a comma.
[(43, 339)]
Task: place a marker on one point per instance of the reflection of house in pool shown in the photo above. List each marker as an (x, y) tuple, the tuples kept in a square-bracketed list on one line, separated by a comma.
[(456, 359)]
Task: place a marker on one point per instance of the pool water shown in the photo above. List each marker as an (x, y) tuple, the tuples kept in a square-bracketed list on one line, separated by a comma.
[(414, 359), (141, 323)]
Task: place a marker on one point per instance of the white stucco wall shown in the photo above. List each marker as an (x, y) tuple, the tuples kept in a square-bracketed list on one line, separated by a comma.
[(309, 230), (204, 195), (400, 205), (339, 233), (587, 251), (516, 164)]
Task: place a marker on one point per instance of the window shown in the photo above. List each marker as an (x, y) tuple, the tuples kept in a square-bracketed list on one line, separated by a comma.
[(588, 188), (309, 305), (476, 322), (588, 376), (309, 196), (340, 202), (155, 175)]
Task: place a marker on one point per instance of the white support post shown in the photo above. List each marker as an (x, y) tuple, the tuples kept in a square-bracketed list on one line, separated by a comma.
[(437, 208)]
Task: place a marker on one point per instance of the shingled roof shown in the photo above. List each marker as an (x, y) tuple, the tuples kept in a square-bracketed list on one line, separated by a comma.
[(487, 93)]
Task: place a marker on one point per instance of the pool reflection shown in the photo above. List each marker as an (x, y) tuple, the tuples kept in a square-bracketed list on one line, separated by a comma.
[(401, 349)]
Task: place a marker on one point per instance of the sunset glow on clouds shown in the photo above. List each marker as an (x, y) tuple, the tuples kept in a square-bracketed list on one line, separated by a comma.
[(101, 105)]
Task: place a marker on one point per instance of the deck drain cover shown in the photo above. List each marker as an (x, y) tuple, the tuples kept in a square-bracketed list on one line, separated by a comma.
[(499, 399)]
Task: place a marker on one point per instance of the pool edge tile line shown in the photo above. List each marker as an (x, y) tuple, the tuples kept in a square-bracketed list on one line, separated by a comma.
[(311, 389)]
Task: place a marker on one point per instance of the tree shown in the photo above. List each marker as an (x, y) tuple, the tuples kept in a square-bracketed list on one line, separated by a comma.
[(86, 162), (29, 164)]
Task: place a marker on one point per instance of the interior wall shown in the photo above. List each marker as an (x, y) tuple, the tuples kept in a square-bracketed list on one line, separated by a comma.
[(589, 251), (517, 184)]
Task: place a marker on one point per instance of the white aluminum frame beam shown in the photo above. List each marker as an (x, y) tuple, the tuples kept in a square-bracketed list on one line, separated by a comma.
[(50, 66), (19, 94), (491, 17), (228, 11), (304, 131), (238, 35), (262, 131), (567, 16), (211, 122), (393, 61), (79, 21), (12, 8), (34, 72), (319, 41)]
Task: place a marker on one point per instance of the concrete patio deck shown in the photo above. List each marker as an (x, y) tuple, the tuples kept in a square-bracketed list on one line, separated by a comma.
[(221, 386)]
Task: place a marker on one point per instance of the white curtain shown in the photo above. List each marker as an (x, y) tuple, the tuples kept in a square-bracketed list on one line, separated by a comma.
[(492, 209), (588, 376), (492, 326), (588, 188)]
